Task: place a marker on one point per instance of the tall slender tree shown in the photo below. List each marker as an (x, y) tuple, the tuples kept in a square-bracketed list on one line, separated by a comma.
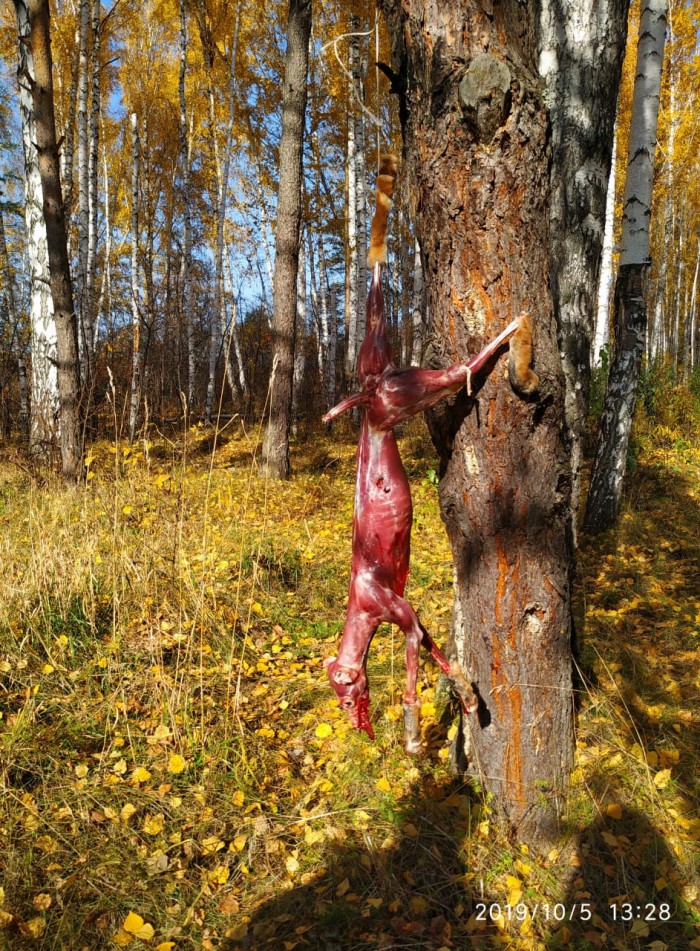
[(630, 321), (581, 47), (41, 84), (276, 443), (44, 376)]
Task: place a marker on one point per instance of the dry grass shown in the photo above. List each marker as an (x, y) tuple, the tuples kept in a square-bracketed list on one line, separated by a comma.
[(169, 747)]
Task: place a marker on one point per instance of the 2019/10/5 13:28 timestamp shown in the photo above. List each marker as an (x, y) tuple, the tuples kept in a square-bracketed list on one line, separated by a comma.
[(582, 911)]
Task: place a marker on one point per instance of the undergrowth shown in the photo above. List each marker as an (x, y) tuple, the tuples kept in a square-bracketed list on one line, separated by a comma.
[(176, 773)]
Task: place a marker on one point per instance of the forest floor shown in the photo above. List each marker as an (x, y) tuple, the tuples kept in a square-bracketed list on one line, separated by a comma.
[(175, 772)]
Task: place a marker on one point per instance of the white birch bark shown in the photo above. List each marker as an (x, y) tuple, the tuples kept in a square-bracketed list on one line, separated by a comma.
[(186, 266), (93, 171), (68, 150), (630, 305), (8, 281), (692, 344), (351, 341), (332, 343), (233, 341), (136, 369), (359, 69), (299, 335), (222, 176), (104, 304), (83, 181), (44, 380), (581, 46), (602, 324)]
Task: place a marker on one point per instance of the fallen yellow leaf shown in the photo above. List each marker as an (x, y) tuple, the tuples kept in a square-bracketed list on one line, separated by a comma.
[(323, 730), (139, 775), (177, 764), (383, 785), (662, 778), (135, 925), (153, 825)]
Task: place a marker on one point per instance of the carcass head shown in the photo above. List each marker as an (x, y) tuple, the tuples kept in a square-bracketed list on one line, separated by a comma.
[(351, 688)]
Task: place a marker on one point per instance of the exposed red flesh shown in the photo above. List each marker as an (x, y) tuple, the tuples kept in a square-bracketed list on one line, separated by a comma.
[(381, 540)]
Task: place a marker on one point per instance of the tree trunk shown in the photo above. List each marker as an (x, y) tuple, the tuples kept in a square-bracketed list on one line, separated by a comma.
[(83, 185), (44, 377), (630, 304), (136, 355), (188, 301), (238, 384), (358, 73), (582, 44), (478, 162), (417, 309), (276, 443), (61, 289), (602, 324), (68, 150), (351, 282), (8, 281), (93, 171), (299, 338)]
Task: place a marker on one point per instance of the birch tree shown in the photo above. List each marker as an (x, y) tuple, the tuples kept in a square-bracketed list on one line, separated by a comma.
[(276, 443), (41, 84), (44, 375), (602, 323), (581, 46), (630, 321), (136, 353), (8, 282), (186, 267)]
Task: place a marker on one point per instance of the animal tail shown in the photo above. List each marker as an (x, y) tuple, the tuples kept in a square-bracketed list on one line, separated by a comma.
[(385, 189)]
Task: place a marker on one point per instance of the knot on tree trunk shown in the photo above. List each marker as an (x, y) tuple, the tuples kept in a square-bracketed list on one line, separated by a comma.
[(485, 95)]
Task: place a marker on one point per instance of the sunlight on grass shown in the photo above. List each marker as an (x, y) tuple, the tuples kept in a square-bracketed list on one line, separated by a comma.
[(175, 770)]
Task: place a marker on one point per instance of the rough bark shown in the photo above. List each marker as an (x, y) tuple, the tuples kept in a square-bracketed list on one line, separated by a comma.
[(417, 309), (630, 323), (44, 374), (276, 443), (41, 84), (477, 154), (582, 45)]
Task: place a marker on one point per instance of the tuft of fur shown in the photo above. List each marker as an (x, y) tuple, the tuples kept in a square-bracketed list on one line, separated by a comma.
[(386, 180), (522, 378)]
